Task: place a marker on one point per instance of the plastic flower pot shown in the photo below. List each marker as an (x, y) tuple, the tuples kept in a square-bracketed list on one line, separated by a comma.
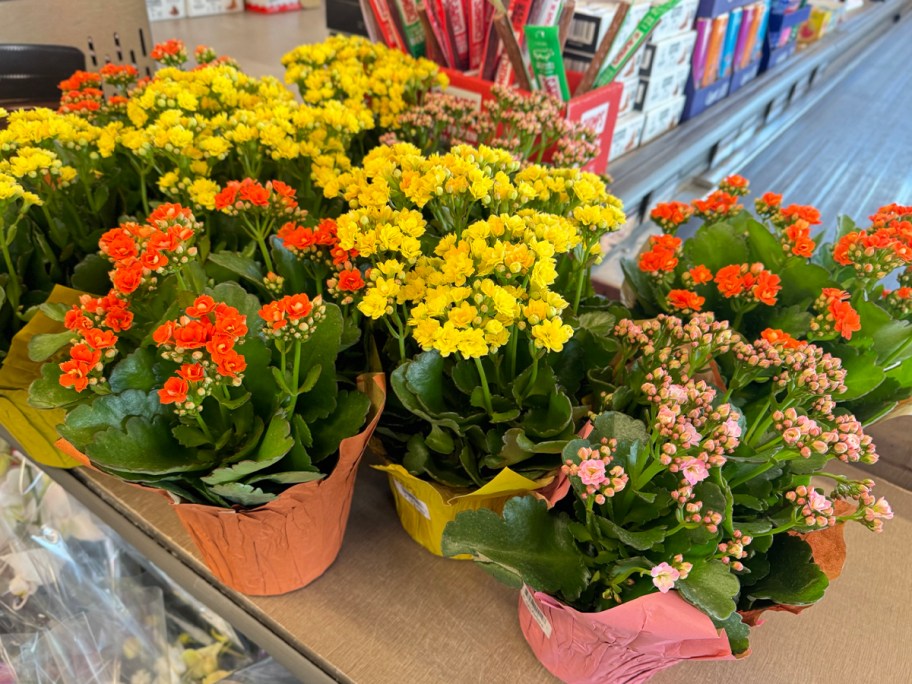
[(424, 508), (290, 541), (629, 643)]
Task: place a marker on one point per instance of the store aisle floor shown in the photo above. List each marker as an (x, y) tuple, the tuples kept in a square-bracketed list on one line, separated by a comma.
[(852, 151)]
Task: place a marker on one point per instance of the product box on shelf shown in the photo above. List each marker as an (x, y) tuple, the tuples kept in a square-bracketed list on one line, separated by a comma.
[(817, 26), (577, 61), (662, 118), (783, 27), (627, 134), (698, 99), (628, 95), (277, 6), (713, 8), (741, 77), (597, 108), (667, 55), (589, 24), (205, 8), (678, 19), (655, 90), (165, 9)]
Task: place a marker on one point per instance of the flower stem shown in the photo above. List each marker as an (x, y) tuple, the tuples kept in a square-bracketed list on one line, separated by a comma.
[(580, 279), (13, 289), (204, 428), (486, 391)]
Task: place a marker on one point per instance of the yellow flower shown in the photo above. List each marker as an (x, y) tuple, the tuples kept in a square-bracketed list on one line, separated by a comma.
[(374, 304), (472, 343), (552, 334), (202, 192), (463, 315)]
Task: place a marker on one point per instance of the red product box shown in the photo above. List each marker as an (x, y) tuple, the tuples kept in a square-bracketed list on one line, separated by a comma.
[(598, 108)]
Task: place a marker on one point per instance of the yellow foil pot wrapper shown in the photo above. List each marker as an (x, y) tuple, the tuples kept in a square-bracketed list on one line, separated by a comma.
[(425, 508)]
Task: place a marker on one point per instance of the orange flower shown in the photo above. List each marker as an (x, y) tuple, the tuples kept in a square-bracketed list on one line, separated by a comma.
[(253, 192), (231, 364), (274, 314), (75, 374), (164, 333), (119, 319), (902, 293), (79, 80), (191, 336), (118, 245), (834, 294), (76, 320), (169, 212), (767, 288), (670, 215), (220, 345), (794, 212), (84, 354), (99, 339), (700, 274), (227, 196), (127, 277), (658, 260), (174, 391), (798, 239), (718, 204), (768, 203), (201, 306), (296, 306), (734, 185), (192, 372), (295, 237), (153, 260), (780, 338), (283, 189), (845, 319), (728, 279), (685, 300), (350, 280), (229, 322)]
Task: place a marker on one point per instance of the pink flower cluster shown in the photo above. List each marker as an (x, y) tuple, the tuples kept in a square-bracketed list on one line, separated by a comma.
[(595, 478), (852, 444), (870, 511), (673, 341), (693, 510), (812, 506), (664, 575), (733, 550)]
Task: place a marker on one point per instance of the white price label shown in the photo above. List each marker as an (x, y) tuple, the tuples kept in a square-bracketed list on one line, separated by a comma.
[(418, 504), (543, 623)]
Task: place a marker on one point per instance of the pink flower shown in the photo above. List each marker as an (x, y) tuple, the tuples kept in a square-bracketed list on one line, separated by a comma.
[(732, 428), (677, 394), (817, 501), (666, 416), (694, 470), (881, 509), (664, 577), (592, 472), (689, 435)]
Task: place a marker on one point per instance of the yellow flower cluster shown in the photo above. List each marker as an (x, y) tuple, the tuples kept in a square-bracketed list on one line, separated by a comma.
[(38, 166), (484, 267), (361, 75), (11, 191)]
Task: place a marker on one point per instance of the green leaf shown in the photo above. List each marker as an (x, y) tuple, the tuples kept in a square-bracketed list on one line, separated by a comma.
[(550, 420), (794, 578), (243, 494), (310, 379), (345, 421), (47, 393), (295, 477), (802, 282), (440, 440), (641, 541), (43, 347), (738, 633), (233, 404), (599, 323), (795, 320), (763, 245), (716, 245), (424, 376), (135, 371), (528, 543), (321, 350), (863, 372), (277, 440), (91, 275), (145, 447), (56, 311), (189, 436), (888, 334), (110, 411), (248, 269), (246, 304), (711, 587), (619, 426), (465, 376)]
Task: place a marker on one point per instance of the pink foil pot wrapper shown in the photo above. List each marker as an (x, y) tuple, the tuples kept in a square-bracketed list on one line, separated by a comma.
[(624, 645)]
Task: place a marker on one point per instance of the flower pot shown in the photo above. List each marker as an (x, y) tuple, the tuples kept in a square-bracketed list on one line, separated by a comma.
[(290, 541), (425, 508), (629, 643)]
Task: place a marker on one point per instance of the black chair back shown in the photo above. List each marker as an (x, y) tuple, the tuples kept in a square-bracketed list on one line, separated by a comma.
[(29, 74)]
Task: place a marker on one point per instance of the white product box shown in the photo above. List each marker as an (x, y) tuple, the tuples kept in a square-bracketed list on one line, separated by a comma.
[(204, 8), (669, 54), (627, 133), (277, 6), (628, 95), (662, 119), (588, 26), (679, 18), (658, 89), (165, 9), (632, 68), (578, 61)]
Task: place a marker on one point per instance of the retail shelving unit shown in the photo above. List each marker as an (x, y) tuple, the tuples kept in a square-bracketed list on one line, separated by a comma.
[(388, 612)]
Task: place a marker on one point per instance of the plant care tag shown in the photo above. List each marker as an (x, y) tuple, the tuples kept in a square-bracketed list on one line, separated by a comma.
[(543, 623), (419, 505)]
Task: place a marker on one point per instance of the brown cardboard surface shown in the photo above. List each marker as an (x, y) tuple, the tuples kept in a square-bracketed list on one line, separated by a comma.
[(388, 612)]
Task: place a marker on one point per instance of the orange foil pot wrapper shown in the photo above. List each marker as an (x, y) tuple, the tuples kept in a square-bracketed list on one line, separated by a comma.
[(290, 541), (629, 643)]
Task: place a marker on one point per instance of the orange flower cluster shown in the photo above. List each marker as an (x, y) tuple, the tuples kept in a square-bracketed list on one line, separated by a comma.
[(662, 257), (698, 275), (95, 322), (890, 214), (87, 100), (835, 314), (796, 239), (292, 318), (753, 281), (717, 206), (275, 197), (119, 75), (143, 252), (685, 301), (781, 339), (80, 80), (321, 247), (203, 342), (169, 53), (768, 204), (876, 253), (735, 185), (799, 212), (669, 216), (899, 300)]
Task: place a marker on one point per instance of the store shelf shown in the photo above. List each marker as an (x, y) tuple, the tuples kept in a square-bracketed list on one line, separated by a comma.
[(751, 117), (389, 612)]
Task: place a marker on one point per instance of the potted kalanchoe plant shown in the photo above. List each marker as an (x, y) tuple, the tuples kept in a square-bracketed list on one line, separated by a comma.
[(850, 296), (473, 268), (229, 404), (692, 502)]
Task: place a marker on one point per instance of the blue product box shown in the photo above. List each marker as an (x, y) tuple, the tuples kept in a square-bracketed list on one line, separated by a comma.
[(699, 99), (742, 77)]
